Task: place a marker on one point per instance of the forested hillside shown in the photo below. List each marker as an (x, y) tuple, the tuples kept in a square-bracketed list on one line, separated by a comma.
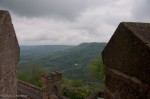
[(30, 53), (73, 61)]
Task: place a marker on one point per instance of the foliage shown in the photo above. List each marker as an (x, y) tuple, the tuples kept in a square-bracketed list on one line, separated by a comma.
[(72, 60), (97, 72), (32, 74), (76, 89), (97, 69), (73, 83)]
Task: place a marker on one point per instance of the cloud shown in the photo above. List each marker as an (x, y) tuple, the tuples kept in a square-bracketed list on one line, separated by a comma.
[(67, 9), (141, 10), (39, 31), (42, 22)]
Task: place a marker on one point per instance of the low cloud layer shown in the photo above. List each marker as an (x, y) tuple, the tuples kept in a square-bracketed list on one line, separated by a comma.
[(47, 22), (68, 9)]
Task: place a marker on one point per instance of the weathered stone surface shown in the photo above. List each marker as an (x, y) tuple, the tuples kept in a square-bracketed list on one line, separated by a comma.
[(122, 86), (127, 60), (128, 50), (9, 56), (52, 83)]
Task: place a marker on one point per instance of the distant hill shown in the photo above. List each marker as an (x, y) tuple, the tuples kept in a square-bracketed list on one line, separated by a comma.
[(72, 60), (30, 53)]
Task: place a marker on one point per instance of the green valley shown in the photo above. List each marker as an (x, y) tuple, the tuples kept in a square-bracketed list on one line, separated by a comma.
[(73, 61)]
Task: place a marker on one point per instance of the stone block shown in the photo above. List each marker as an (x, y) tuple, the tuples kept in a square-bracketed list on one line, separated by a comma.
[(129, 50), (9, 56), (127, 60)]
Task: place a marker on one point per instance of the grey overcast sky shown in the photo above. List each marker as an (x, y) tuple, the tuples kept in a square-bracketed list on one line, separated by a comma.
[(50, 22)]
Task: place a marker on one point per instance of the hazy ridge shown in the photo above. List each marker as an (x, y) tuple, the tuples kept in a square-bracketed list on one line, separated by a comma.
[(72, 60)]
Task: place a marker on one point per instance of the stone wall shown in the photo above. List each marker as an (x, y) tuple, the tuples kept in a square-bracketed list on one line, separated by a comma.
[(50, 90), (9, 56), (25, 89), (52, 85), (127, 60)]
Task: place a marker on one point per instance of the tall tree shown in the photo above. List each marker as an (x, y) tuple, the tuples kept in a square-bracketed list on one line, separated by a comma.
[(97, 69)]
